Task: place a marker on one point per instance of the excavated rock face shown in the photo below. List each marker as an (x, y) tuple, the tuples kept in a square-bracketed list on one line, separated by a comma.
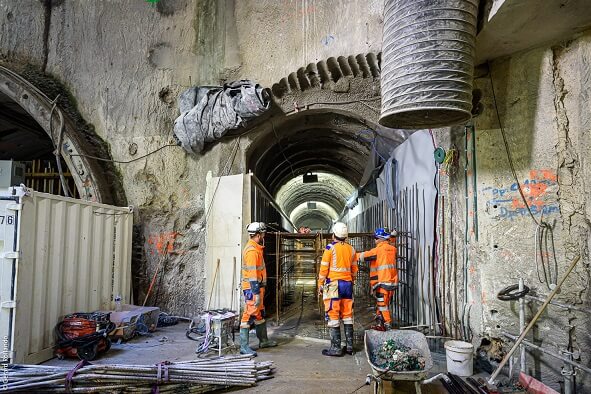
[(123, 64)]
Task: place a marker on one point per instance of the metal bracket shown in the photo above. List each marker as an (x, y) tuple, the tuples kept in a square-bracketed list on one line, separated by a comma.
[(14, 206), (8, 304), (11, 255)]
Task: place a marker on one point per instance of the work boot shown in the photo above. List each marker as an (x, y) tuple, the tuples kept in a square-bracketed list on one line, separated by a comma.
[(261, 330), (335, 343), (387, 326), (349, 338), (244, 348)]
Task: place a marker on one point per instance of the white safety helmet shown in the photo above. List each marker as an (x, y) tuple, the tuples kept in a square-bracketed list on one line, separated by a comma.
[(256, 227), (340, 230)]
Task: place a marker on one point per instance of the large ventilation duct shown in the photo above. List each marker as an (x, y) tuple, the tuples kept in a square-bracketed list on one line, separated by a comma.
[(427, 62)]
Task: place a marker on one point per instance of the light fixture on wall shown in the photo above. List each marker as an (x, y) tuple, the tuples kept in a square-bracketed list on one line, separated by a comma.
[(311, 205), (310, 178)]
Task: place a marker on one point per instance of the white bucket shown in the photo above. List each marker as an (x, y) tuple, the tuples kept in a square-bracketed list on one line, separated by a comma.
[(459, 357)]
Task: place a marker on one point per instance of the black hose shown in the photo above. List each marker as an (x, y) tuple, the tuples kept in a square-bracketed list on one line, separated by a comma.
[(84, 340), (507, 293)]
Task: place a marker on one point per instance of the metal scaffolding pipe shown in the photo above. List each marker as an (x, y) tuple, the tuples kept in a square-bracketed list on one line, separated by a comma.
[(549, 353)]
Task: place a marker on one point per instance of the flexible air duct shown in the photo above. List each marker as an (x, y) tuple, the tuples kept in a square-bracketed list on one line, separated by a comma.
[(427, 62)]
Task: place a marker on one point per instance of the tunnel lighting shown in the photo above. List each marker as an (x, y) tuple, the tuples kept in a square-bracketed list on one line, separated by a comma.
[(310, 178), (311, 205)]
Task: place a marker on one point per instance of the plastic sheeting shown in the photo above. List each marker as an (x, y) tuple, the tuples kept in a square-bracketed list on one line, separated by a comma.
[(209, 112)]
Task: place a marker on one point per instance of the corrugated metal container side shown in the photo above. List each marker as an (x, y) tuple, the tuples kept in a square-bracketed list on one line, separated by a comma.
[(75, 256)]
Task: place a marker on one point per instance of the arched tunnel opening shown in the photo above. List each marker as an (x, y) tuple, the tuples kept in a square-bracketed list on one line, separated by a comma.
[(311, 163), (27, 149)]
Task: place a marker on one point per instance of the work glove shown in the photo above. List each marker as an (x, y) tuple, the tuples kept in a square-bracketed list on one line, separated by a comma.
[(257, 300)]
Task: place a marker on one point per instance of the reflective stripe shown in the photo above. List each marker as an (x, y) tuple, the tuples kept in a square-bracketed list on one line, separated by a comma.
[(348, 320), (382, 267), (380, 299), (354, 262), (382, 308), (334, 323), (257, 322), (344, 269), (334, 258), (325, 263)]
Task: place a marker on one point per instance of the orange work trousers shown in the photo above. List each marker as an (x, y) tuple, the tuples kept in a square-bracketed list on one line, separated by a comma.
[(337, 309), (252, 313), (384, 297)]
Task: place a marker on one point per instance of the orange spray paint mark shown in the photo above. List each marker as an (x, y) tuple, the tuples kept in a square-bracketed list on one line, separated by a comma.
[(162, 243)]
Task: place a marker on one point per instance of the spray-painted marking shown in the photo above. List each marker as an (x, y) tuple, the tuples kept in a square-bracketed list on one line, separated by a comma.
[(508, 203), (162, 243), (327, 40)]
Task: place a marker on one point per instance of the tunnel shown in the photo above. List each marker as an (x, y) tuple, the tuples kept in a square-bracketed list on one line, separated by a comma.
[(311, 163), (25, 142), (330, 146)]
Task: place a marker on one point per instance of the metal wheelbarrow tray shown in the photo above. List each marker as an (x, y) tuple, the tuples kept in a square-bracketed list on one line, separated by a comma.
[(413, 339)]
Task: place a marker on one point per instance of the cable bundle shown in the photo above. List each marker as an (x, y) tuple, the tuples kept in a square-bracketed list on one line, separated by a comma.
[(196, 376)]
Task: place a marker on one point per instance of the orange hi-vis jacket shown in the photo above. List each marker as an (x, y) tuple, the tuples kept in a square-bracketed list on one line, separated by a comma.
[(382, 270), (253, 265), (338, 262)]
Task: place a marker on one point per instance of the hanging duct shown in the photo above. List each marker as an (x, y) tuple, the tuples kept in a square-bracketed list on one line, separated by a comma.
[(427, 62)]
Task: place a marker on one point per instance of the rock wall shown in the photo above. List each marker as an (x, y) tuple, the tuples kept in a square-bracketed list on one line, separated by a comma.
[(125, 63), (543, 102)]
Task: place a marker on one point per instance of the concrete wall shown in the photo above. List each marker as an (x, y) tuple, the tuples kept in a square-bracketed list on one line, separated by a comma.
[(543, 99), (125, 62)]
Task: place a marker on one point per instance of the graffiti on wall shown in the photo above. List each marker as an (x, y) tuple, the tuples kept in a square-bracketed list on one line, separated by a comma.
[(538, 189)]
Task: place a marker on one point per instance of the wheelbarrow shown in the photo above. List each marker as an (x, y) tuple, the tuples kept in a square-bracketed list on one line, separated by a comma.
[(414, 340)]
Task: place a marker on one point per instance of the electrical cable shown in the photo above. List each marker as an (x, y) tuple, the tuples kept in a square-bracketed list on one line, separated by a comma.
[(507, 150), (360, 101), (281, 148), (544, 229), (122, 161)]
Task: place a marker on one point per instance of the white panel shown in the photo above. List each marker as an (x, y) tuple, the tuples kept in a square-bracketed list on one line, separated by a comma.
[(75, 257), (8, 220), (225, 232)]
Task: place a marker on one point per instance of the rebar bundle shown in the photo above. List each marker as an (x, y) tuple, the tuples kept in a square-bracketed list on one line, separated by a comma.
[(196, 376)]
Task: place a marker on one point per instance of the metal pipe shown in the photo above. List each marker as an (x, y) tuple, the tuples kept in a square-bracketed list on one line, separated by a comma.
[(549, 353), (558, 304), (522, 326), (569, 376), (533, 321)]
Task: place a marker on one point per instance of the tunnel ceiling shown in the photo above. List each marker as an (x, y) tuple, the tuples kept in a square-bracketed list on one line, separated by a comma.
[(325, 143), (320, 217), (21, 137), (332, 190), (319, 141)]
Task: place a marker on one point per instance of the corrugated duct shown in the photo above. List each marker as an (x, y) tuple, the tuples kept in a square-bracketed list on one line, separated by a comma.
[(427, 62)]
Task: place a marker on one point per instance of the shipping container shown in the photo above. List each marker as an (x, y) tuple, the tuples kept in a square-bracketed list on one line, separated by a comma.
[(58, 256)]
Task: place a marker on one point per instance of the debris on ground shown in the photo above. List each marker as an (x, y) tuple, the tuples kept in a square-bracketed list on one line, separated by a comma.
[(201, 375), (394, 356)]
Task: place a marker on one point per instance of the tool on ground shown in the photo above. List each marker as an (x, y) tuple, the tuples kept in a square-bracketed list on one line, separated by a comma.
[(199, 375), (214, 330), (532, 322), (83, 335)]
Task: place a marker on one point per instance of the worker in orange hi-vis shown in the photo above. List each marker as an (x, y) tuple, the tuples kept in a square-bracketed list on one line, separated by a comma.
[(254, 280), (335, 283), (383, 275)]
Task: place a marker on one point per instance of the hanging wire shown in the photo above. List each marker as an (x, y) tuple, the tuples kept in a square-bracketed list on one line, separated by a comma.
[(544, 230), (508, 151), (122, 161)]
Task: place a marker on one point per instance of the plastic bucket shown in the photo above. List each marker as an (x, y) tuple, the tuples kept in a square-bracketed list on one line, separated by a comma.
[(458, 355)]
